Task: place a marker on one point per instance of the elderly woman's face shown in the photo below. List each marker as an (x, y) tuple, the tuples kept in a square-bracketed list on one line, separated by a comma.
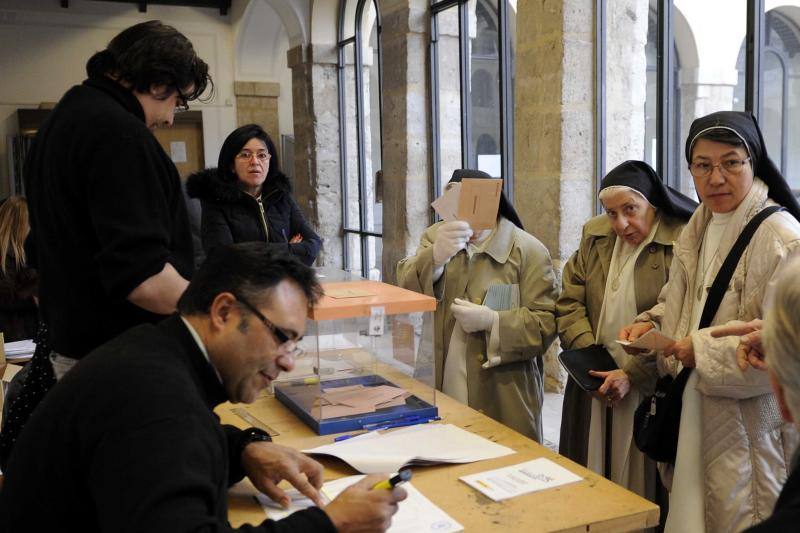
[(723, 189), (630, 215), (252, 163)]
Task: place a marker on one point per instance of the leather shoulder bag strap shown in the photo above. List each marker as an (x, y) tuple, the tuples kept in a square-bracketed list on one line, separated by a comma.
[(725, 273)]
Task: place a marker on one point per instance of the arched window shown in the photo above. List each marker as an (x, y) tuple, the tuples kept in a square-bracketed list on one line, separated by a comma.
[(360, 136), (472, 80), (780, 110)]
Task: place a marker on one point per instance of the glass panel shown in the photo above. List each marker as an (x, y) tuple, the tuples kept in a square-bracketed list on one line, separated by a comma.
[(374, 253), (772, 105), (372, 121), (711, 76), (782, 91), (353, 253), (351, 192), (483, 93), (650, 104), (449, 94), (626, 82)]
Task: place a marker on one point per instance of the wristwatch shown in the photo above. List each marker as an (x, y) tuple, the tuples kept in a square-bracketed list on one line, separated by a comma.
[(253, 435)]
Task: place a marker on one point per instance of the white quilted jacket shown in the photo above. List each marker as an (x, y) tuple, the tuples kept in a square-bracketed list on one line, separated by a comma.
[(746, 445)]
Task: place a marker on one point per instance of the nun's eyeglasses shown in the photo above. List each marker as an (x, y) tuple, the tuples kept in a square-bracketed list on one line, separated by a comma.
[(730, 167)]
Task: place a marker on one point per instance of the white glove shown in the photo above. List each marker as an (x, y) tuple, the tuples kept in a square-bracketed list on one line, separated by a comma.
[(451, 237), (472, 317), (491, 362)]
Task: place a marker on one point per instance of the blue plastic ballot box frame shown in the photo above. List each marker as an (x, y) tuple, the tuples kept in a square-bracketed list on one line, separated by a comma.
[(299, 397)]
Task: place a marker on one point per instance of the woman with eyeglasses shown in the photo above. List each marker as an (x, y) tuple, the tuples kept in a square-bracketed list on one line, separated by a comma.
[(247, 198), (732, 446)]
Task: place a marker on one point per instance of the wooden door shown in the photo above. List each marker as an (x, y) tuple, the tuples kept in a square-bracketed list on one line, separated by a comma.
[(183, 142)]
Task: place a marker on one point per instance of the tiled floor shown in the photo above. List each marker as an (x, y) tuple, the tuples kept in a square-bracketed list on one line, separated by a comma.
[(551, 418)]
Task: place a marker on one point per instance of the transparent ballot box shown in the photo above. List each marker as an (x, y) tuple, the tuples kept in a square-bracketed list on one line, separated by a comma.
[(368, 359)]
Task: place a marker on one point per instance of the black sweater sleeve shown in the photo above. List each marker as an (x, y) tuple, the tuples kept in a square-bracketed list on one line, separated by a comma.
[(160, 477), (127, 190)]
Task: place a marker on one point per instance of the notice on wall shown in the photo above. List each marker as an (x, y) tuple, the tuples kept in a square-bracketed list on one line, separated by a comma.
[(177, 151)]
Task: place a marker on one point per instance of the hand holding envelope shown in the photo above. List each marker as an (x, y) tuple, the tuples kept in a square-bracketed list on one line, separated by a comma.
[(473, 200)]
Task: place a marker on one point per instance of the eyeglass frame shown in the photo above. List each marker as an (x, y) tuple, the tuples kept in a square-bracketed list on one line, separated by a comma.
[(182, 107), (241, 156), (722, 170), (277, 332)]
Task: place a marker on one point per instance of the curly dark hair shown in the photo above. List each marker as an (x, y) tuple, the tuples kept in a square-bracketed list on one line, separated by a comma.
[(249, 270), (152, 53)]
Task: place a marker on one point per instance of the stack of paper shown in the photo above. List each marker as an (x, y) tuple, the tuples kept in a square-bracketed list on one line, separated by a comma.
[(20, 349), (415, 514), (426, 444), (358, 399), (530, 476)]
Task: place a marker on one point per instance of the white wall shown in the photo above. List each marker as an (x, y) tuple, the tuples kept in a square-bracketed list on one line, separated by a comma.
[(262, 43), (45, 48)]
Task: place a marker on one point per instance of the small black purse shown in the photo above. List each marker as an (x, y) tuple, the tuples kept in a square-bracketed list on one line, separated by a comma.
[(657, 420)]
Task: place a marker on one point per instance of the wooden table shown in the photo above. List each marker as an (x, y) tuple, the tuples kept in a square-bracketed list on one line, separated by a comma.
[(594, 504)]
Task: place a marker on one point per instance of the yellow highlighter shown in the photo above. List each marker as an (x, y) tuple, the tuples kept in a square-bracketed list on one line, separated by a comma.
[(388, 484)]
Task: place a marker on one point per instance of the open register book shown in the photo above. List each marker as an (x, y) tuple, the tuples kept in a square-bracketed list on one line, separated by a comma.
[(427, 444)]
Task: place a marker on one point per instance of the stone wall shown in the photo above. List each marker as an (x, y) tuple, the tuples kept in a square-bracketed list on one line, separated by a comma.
[(316, 127), (257, 103), (554, 141), (406, 129)]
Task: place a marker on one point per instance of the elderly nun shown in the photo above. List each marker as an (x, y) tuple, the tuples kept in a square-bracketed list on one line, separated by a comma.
[(494, 320), (617, 272), (732, 445)]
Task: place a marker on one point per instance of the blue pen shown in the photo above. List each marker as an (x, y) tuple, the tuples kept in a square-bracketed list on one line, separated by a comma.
[(408, 423), (400, 419), (345, 437)]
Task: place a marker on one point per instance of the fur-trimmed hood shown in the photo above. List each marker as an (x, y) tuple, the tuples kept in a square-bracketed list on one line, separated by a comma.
[(208, 184)]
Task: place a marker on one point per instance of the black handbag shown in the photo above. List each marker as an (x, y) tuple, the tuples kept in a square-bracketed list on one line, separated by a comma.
[(658, 418), (579, 362)]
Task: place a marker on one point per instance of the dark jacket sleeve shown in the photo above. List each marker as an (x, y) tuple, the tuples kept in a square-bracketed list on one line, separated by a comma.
[(307, 250), (215, 229), (160, 477)]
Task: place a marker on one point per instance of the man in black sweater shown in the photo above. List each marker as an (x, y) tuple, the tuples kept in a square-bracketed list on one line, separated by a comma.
[(112, 241), (128, 440)]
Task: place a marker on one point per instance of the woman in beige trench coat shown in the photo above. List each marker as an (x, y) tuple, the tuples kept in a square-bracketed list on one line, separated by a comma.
[(488, 356)]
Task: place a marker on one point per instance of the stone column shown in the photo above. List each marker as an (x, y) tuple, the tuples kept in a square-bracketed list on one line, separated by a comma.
[(406, 126), (316, 129), (554, 141), (257, 103)]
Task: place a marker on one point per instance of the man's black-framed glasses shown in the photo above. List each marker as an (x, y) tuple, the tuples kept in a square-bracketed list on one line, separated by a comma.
[(183, 103), (281, 336)]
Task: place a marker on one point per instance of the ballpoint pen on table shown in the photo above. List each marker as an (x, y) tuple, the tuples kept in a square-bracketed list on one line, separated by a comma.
[(397, 423)]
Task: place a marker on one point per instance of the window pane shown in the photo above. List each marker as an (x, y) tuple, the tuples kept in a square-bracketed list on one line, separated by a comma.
[(372, 120), (711, 78), (353, 253), (483, 94), (449, 94), (626, 81), (351, 197), (781, 120), (374, 253), (651, 104), (772, 118)]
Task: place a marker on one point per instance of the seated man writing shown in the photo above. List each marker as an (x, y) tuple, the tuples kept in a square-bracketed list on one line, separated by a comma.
[(128, 440)]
